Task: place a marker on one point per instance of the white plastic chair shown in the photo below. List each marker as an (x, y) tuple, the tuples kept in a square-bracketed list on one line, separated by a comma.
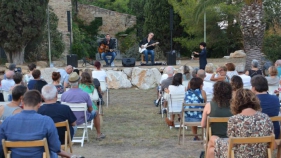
[(80, 107), (104, 88), (94, 97), (5, 95), (175, 102)]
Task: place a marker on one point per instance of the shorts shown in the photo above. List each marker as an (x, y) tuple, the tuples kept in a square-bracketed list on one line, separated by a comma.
[(92, 116)]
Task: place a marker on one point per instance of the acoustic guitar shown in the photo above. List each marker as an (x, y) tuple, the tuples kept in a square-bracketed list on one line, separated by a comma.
[(103, 48), (145, 46)]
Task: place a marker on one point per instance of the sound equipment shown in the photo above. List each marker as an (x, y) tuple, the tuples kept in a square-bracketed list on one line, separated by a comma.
[(128, 62), (72, 60), (171, 58), (155, 63), (171, 18), (68, 21)]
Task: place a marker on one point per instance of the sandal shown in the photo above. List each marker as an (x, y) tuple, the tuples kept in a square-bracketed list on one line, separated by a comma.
[(102, 136), (169, 122)]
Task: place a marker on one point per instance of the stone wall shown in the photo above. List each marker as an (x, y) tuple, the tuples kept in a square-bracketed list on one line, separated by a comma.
[(112, 22), (60, 8)]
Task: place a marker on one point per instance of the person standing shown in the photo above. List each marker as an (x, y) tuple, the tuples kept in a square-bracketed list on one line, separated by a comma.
[(149, 47), (202, 56), (107, 47)]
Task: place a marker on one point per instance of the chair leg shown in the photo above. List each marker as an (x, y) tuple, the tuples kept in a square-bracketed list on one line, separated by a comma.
[(107, 97), (279, 151), (183, 136), (180, 135), (142, 60)]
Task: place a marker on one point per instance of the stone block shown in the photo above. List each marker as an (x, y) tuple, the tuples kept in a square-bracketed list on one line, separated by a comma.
[(117, 79), (145, 78), (42, 64)]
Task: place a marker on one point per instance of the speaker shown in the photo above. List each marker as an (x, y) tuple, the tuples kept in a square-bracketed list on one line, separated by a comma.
[(72, 60), (68, 21), (171, 58), (171, 18), (128, 62)]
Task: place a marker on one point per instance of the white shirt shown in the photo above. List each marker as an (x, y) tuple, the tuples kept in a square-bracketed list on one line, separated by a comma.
[(64, 76), (208, 77), (246, 80), (208, 87), (163, 77), (6, 84), (231, 73), (176, 90), (100, 75)]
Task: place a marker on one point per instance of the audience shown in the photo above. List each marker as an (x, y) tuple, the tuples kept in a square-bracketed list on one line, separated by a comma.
[(18, 80), (28, 77), (37, 83), (245, 78), (56, 111), (186, 73), (96, 83), (230, 70), (99, 73), (254, 70), (207, 85), (8, 83), (218, 107), (14, 106), (278, 66), (28, 126), (87, 85), (12, 67), (167, 82), (269, 103), (220, 75), (273, 79), (175, 88), (236, 83), (194, 72), (76, 95), (209, 71), (64, 75), (247, 121), (56, 82), (77, 71), (194, 94)]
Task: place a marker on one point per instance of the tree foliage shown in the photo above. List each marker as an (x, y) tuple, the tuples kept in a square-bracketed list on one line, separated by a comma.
[(115, 5), (20, 22)]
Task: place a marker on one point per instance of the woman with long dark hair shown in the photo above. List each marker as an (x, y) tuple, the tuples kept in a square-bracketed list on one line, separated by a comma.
[(86, 84)]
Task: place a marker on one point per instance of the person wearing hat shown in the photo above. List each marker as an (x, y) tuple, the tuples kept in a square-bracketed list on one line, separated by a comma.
[(76, 95)]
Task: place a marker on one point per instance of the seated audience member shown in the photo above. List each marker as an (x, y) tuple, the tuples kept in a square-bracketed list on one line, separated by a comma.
[(186, 73), (56, 111), (167, 82), (245, 78), (175, 88), (269, 103), (77, 71), (37, 83), (254, 69), (28, 77), (87, 85), (18, 80), (29, 126), (64, 75), (247, 121), (98, 72), (278, 67), (96, 83), (194, 94), (236, 83), (56, 82), (77, 95), (209, 68), (9, 82), (218, 107), (12, 67), (207, 85), (230, 70), (273, 79), (194, 72), (220, 75), (14, 106)]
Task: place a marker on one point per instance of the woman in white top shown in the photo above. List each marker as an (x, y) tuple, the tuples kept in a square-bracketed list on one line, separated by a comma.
[(98, 73), (273, 79), (28, 77), (230, 70), (209, 69), (175, 88)]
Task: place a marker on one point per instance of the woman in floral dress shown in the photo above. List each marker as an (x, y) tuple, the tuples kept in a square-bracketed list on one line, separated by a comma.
[(247, 121)]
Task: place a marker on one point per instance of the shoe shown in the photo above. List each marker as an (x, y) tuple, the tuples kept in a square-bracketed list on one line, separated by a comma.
[(156, 102), (102, 136), (164, 111), (196, 138), (169, 122)]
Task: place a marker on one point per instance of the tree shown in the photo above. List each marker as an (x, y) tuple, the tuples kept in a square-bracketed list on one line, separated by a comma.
[(20, 22)]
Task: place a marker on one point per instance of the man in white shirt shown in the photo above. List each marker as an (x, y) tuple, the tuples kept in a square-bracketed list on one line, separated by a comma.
[(245, 78), (207, 85), (64, 75), (8, 82)]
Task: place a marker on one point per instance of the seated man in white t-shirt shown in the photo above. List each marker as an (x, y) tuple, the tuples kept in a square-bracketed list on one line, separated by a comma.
[(64, 75), (208, 86), (9, 82), (245, 78)]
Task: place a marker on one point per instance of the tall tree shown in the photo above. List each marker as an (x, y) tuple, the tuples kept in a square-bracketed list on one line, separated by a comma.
[(20, 22)]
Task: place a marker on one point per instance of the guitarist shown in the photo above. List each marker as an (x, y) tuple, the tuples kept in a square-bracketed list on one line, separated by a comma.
[(107, 45), (149, 50)]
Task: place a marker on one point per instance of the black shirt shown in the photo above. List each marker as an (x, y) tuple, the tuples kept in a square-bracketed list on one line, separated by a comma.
[(145, 41), (111, 43), (59, 112)]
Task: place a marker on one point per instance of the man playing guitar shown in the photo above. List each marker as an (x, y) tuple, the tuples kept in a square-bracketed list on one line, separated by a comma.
[(106, 48), (149, 50)]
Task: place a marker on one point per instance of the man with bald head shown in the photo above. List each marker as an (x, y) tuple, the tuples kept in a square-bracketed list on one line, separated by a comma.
[(64, 75), (207, 85), (8, 82)]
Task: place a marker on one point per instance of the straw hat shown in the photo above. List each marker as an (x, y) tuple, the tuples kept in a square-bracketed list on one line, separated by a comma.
[(73, 77)]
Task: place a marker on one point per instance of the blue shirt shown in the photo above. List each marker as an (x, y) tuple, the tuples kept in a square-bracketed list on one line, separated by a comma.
[(193, 96), (270, 105), (27, 126), (59, 112), (279, 71), (31, 84)]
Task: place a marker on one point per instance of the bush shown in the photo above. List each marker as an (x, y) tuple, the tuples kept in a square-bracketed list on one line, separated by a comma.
[(272, 47)]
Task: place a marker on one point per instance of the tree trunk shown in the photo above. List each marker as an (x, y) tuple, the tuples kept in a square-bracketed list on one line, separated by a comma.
[(253, 28), (15, 57)]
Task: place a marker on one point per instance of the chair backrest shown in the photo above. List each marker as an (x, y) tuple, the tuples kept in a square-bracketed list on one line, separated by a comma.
[(103, 86), (214, 120), (5, 95), (185, 83), (175, 102), (94, 96), (78, 107), (251, 140), (271, 89), (67, 136), (192, 104), (276, 118), (26, 144)]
